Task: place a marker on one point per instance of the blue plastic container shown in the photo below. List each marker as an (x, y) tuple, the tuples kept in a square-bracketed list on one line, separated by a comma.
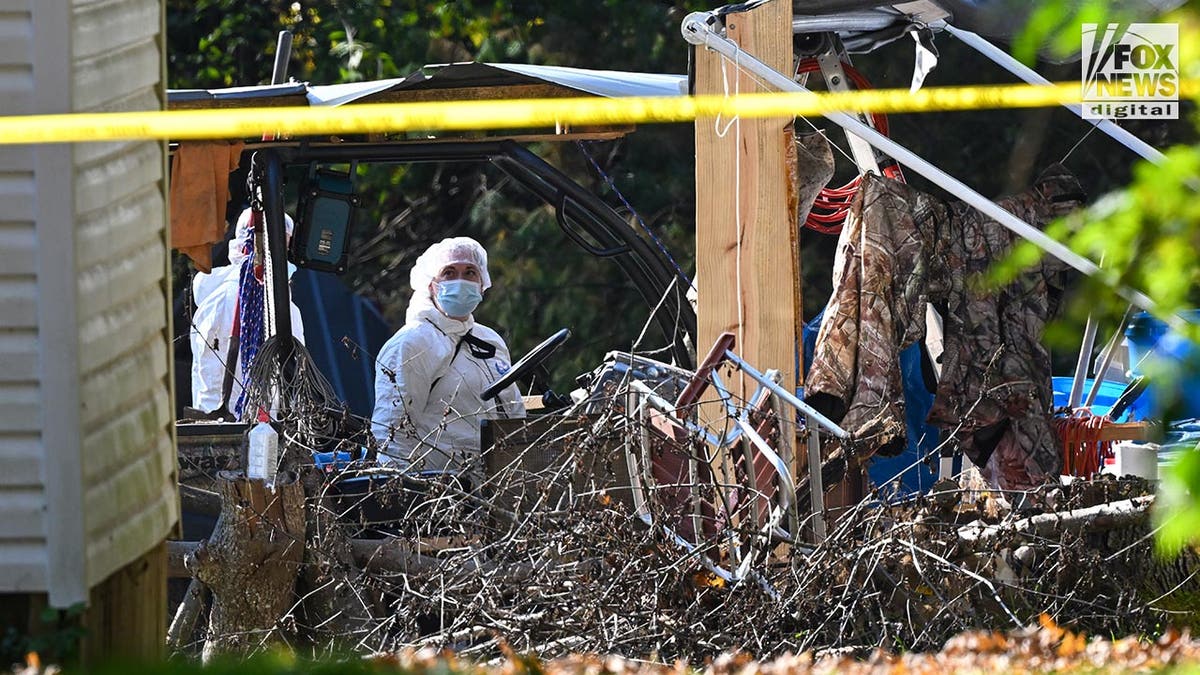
[(1105, 398), (332, 461), (1156, 351)]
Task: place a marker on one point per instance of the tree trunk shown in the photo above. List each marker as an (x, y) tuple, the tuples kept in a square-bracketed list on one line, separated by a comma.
[(251, 561)]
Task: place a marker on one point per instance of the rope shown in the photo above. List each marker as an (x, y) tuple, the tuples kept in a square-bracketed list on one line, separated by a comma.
[(1079, 440), (299, 392)]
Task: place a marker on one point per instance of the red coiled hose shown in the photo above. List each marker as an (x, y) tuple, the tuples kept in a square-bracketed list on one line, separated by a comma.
[(832, 205)]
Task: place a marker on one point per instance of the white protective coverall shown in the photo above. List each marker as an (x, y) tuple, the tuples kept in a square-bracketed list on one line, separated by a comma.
[(428, 378), (215, 295)]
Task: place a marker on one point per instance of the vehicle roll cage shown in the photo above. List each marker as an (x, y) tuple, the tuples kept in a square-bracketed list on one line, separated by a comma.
[(578, 212)]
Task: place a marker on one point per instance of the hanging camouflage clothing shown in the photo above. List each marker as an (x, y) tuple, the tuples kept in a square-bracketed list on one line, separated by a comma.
[(995, 394), (901, 249), (877, 309)]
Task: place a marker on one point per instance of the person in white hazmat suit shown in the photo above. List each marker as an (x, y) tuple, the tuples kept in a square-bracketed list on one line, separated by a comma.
[(215, 295), (429, 375)]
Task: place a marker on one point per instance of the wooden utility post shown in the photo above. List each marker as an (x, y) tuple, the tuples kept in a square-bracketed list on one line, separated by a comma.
[(743, 187)]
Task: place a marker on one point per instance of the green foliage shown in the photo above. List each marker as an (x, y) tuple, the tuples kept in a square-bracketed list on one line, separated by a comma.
[(1146, 239), (542, 281), (1055, 26), (55, 640), (1177, 514), (1144, 235)]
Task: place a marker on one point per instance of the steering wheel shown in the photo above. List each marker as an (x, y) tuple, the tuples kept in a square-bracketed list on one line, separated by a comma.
[(527, 363)]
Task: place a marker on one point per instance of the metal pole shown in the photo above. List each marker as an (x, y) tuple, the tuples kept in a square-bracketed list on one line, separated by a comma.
[(698, 31), (1006, 61), (283, 53), (272, 198), (1106, 359), (1085, 357), (788, 396), (816, 482)]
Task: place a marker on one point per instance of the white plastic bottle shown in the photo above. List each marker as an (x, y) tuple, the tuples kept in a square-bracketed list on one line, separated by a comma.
[(263, 457)]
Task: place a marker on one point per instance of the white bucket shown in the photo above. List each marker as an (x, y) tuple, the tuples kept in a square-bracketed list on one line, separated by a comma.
[(1133, 459)]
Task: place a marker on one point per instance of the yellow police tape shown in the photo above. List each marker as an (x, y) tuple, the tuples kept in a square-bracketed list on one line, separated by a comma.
[(513, 114)]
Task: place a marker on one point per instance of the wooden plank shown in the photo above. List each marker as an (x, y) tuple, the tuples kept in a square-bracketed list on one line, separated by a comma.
[(110, 391), (21, 411), (16, 190), (90, 154), (15, 158), (474, 94), (126, 619), (122, 228), (115, 445), (108, 334), (24, 569), (746, 282), (115, 74), (1132, 431), (18, 246), (16, 89), (20, 459), (18, 302), (115, 178), (109, 549), (117, 282), (58, 326), (259, 102), (794, 179)]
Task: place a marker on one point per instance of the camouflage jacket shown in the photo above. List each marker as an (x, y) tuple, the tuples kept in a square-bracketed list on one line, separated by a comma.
[(901, 249)]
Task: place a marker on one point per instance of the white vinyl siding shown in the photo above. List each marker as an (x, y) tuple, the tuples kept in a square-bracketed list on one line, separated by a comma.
[(16, 69), (123, 310), (22, 495), (87, 457)]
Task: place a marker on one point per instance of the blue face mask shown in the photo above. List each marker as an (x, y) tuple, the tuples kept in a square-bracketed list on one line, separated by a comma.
[(458, 297)]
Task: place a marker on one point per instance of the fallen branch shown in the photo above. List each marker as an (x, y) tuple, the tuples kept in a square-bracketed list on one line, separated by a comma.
[(187, 615), (376, 556), (177, 552), (1101, 517), (399, 556)]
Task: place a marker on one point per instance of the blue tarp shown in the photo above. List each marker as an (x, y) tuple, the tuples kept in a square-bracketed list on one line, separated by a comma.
[(914, 473), (1171, 361), (343, 332)]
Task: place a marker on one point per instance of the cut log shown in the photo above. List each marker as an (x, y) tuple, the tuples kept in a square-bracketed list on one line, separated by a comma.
[(251, 561), (177, 552), (187, 615), (1100, 517)]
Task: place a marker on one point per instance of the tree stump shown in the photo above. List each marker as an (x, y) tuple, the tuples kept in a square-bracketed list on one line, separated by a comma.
[(251, 561)]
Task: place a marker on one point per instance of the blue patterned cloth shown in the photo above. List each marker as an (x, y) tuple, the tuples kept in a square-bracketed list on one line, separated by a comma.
[(250, 312)]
